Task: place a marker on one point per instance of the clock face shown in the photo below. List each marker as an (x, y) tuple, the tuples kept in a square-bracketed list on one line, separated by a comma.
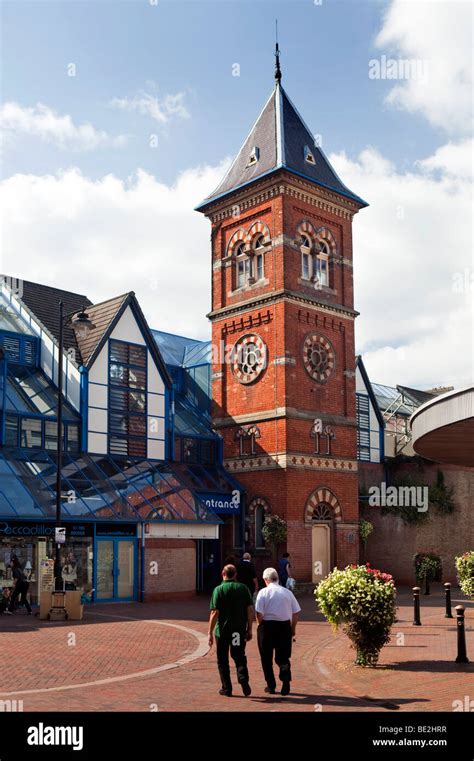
[(249, 358), (318, 357)]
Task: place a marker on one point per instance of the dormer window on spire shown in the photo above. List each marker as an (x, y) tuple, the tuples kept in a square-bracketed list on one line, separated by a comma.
[(309, 155), (254, 156)]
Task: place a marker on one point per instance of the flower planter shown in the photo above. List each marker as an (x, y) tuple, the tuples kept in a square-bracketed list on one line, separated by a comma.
[(361, 600)]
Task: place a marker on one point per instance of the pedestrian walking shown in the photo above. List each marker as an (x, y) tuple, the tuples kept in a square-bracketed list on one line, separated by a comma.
[(21, 586), (247, 573), (284, 569), (277, 614), (231, 622)]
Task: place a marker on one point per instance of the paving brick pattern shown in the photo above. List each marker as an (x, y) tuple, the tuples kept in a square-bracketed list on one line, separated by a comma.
[(418, 673)]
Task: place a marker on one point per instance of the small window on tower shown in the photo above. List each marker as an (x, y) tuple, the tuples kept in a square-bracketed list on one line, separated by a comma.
[(254, 156), (309, 155), (305, 257)]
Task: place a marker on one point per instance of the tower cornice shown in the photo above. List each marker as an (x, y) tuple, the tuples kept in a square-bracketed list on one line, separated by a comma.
[(282, 295), (286, 184)]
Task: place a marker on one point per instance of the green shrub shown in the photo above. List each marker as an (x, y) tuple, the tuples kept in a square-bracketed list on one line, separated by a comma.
[(365, 529), (465, 569), (428, 567)]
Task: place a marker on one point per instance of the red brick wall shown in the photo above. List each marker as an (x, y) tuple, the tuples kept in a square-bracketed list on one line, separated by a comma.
[(176, 575), (393, 543)]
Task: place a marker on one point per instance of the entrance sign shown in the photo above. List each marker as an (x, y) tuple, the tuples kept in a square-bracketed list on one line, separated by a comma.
[(228, 503)]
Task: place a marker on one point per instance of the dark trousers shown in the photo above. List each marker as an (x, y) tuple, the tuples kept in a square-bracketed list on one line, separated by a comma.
[(275, 638), (237, 651), (21, 590)]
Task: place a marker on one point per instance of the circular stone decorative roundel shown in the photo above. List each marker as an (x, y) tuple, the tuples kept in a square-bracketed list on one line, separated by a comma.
[(318, 357), (249, 358)]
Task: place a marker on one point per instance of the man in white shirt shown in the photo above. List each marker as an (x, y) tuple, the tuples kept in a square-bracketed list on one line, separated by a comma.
[(277, 615)]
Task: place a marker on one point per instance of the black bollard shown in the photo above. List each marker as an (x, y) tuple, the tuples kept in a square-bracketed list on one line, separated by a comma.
[(462, 654), (447, 592), (416, 606)]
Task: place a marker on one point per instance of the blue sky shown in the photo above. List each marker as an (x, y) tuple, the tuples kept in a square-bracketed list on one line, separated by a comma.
[(88, 189), (190, 47)]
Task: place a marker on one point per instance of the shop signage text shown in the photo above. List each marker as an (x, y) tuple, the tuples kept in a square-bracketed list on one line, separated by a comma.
[(222, 503)]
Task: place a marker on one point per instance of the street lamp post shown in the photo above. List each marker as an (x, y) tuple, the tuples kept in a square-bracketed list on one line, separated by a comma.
[(81, 325)]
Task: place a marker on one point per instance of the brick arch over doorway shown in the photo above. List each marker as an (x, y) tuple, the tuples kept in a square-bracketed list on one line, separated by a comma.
[(322, 496)]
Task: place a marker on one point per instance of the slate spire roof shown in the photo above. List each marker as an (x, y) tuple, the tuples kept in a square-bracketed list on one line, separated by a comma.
[(280, 139)]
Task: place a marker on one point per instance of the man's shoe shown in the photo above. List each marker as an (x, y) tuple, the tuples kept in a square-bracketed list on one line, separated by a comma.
[(285, 688), (227, 693), (246, 689), (270, 690)]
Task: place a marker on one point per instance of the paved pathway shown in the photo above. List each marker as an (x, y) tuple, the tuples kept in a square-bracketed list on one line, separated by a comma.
[(134, 657)]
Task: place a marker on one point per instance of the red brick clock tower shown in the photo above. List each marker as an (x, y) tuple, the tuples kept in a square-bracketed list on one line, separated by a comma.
[(283, 338)]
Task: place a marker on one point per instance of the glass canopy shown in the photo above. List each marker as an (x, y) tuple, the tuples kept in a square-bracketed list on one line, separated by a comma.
[(30, 391), (97, 487)]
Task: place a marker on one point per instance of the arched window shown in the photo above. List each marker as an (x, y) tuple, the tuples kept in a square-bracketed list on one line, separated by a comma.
[(322, 264), (242, 266), (259, 246), (306, 264), (259, 521), (258, 510)]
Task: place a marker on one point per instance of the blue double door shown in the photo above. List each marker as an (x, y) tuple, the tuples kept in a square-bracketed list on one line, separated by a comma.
[(115, 569)]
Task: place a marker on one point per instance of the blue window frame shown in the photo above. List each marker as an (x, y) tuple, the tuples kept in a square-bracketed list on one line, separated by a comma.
[(198, 451), (36, 432), (127, 399), (363, 427)]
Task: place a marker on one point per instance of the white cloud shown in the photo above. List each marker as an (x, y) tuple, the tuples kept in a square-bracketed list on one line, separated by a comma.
[(106, 237), (440, 33), (454, 159), (44, 123), (148, 104), (412, 276), (413, 268)]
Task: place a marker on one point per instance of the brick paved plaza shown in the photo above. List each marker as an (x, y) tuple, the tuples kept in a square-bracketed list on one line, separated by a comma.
[(133, 657)]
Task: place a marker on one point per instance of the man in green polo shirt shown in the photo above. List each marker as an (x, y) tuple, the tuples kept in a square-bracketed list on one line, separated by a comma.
[(231, 620)]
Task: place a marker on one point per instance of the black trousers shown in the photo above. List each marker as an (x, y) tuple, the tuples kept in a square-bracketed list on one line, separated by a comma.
[(21, 590), (275, 638), (237, 651)]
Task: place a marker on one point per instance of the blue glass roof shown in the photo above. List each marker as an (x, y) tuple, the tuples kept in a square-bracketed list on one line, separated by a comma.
[(190, 421), (30, 391), (386, 396), (98, 487), (181, 351)]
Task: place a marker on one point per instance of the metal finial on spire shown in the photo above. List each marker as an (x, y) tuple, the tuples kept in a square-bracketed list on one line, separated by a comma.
[(277, 55)]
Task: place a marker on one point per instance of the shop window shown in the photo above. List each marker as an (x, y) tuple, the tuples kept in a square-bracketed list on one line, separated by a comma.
[(36, 556)]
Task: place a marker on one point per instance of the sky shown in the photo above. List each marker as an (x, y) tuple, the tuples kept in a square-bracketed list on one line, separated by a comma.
[(119, 116)]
